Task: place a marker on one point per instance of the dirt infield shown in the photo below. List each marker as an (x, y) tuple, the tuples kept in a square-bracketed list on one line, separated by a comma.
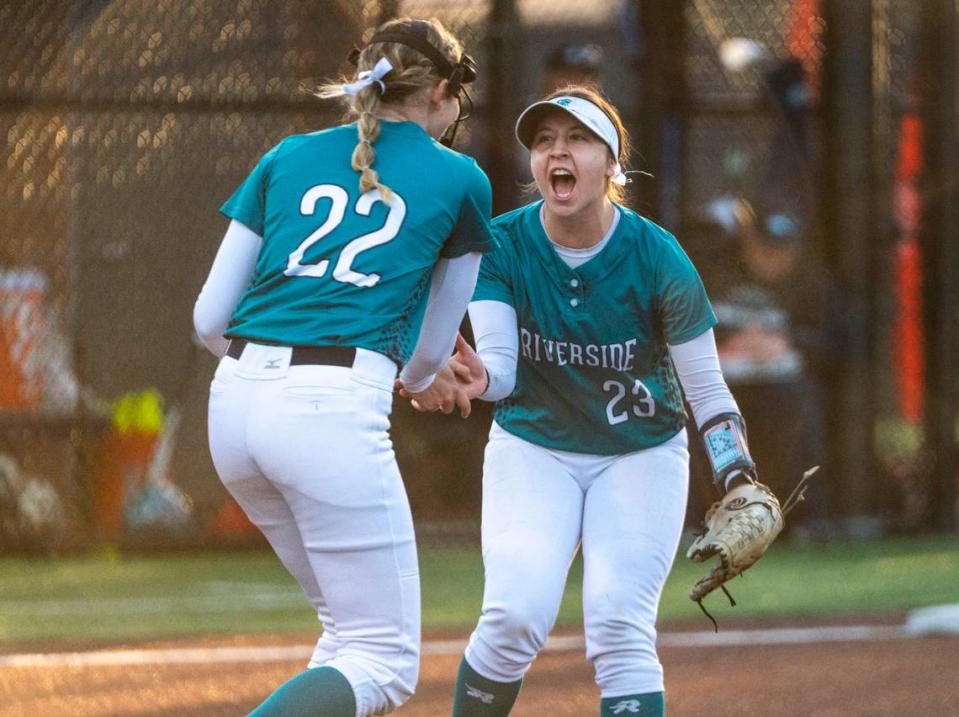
[(914, 676)]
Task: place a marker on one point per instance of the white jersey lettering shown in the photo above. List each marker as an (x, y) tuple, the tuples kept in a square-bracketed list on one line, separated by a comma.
[(619, 356), (592, 354), (575, 354), (616, 356), (526, 339), (630, 357)]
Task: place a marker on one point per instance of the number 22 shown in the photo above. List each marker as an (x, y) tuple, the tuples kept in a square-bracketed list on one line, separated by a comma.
[(343, 271)]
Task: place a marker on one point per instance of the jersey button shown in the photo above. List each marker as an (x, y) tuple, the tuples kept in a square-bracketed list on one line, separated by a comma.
[(574, 283), (574, 302)]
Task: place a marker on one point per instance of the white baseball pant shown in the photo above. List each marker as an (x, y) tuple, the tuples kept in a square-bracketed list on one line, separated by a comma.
[(538, 505), (305, 451)]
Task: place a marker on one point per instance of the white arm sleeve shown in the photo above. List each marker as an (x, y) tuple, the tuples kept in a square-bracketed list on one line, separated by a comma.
[(450, 290), (497, 343), (229, 277), (697, 365)]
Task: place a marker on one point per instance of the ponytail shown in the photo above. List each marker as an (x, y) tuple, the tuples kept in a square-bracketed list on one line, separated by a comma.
[(368, 130), (362, 104)]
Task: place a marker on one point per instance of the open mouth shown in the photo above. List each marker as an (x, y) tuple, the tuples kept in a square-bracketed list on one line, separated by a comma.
[(562, 182)]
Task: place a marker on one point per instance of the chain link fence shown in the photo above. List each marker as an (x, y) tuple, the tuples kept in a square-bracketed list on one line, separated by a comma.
[(124, 125)]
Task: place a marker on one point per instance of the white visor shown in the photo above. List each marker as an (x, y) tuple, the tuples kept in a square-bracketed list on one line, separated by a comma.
[(585, 112)]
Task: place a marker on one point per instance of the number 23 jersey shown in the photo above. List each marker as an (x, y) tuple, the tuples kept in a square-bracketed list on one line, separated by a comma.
[(594, 373), (338, 267)]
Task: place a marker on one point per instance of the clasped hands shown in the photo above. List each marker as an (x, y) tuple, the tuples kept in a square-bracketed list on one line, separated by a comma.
[(456, 384)]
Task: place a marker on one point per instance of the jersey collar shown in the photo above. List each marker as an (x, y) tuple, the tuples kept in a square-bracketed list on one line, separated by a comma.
[(593, 270)]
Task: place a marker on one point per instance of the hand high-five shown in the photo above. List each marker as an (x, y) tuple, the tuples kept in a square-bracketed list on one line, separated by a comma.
[(469, 368), (461, 380)]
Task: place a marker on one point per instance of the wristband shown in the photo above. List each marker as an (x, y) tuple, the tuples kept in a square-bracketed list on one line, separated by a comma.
[(724, 438)]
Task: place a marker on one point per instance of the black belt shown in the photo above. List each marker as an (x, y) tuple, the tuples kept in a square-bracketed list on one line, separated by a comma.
[(306, 355)]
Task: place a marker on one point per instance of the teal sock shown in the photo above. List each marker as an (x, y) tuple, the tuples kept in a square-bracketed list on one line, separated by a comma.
[(650, 704), (476, 696), (320, 692)]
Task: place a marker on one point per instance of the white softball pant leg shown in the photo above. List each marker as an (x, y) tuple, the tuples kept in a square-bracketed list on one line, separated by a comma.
[(532, 514), (632, 523), (308, 456), (537, 504)]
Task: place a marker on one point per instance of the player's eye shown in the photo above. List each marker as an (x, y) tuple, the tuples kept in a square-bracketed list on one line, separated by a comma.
[(542, 138)]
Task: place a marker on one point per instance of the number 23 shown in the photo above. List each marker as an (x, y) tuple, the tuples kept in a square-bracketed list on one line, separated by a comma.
[(643, 407)]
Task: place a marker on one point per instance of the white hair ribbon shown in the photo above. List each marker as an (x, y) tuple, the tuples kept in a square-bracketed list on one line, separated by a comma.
[(370, 77)]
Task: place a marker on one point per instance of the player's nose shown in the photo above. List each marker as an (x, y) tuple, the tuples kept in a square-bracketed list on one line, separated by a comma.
[(559, 148)]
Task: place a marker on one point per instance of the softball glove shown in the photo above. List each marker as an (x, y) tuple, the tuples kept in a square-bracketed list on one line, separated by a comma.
[(739, 529)]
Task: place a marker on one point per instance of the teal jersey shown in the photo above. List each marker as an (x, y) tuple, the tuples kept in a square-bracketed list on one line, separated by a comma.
[(342, 268), (594, 373)]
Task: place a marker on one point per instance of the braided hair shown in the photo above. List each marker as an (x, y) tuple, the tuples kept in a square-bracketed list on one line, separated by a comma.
[(411, 72)]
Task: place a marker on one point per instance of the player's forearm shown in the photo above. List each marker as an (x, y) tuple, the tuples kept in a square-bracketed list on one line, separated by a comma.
[(699, 372), (497, 343), (714, 408), (450, 290), (229, 277)]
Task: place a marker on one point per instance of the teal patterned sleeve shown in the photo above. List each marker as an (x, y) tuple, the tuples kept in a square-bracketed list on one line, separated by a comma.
[(494, 282), (684, 308), (247, 204), (472, 229)]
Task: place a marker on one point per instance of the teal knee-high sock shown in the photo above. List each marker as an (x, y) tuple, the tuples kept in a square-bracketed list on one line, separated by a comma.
[(650, 704), (320, 692), (476, 696)]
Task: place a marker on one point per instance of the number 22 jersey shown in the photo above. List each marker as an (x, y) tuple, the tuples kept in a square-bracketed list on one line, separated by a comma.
[(338, 267)]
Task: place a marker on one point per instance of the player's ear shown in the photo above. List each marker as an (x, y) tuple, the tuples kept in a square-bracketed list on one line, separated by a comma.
[(610, 165), (438, 92)]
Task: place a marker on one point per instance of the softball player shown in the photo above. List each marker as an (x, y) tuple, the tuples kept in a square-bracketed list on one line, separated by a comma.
[(347, 248), (584, 316)]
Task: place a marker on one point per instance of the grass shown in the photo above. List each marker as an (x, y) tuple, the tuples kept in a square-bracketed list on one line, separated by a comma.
[(106, 597)]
